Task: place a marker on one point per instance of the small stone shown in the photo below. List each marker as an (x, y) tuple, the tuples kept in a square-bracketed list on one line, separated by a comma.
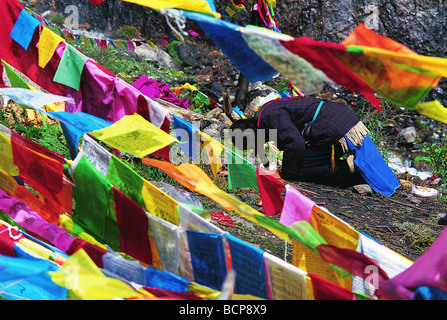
[(409, 134), (442, 219), (214, 113), (363, 189)]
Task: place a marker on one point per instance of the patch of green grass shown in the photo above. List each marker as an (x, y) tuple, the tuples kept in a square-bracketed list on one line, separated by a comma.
[(417, 235)]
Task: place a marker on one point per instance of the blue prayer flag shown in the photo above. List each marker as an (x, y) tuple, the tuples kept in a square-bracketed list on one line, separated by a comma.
[(248, 262), (373, 168), (74, 125), (165, 280), (23, 30), (28, 279), (207, 258), (186, 134), (229, 39)]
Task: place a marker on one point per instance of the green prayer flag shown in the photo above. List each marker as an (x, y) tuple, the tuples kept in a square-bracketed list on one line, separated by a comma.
[(94, 212), (14, 78), (125, 179), (70, 67), (241, 173), (201, 97)]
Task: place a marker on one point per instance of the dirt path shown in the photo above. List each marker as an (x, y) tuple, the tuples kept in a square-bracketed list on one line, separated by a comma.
[(398, 222)]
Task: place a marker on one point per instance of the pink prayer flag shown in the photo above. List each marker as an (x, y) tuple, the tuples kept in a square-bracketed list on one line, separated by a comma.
[(297, 207), (31, 221), (429, 270), (130, 45)]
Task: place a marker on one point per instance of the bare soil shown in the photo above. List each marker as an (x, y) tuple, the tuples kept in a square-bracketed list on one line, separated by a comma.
[(397, 222)]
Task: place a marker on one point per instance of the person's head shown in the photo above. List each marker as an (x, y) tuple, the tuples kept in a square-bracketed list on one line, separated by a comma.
[(243, 133)]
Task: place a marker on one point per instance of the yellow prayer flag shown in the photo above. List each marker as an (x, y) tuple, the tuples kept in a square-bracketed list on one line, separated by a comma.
[(159, 203), (84, 281), (135, 135), (189, 87), (48, 43), (213, 149), (335, 232), (8, 183), (230, 11), (433, 109), (7, 165), (432, 64)]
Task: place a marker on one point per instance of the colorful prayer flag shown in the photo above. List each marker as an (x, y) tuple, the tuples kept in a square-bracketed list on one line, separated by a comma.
[(24, 28), (70, 67), (207, 258), (241, 173), (48, 43), (270, 191), (135, 135)]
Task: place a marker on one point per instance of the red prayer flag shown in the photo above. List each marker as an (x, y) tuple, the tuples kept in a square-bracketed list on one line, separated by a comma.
[(323, 56), (41, 169), (25, 61), (8, 239), (326, 290), (94, 252), (134, 228), (270, 190), (351, 261)]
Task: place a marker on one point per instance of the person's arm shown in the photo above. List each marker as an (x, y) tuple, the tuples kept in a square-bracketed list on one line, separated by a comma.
[(290, 141)]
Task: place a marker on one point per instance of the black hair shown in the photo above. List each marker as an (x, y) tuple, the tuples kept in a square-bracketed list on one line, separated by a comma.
[(244, 124), (247, 129)]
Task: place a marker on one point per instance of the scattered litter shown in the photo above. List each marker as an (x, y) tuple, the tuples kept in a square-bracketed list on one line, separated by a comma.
[(423, 191), (223, 218)]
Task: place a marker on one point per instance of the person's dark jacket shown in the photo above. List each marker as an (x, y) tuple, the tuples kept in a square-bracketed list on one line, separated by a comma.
[(289, 115)]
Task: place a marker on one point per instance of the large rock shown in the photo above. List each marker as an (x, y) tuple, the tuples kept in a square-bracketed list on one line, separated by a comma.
[(155, 55), (419, 24)]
